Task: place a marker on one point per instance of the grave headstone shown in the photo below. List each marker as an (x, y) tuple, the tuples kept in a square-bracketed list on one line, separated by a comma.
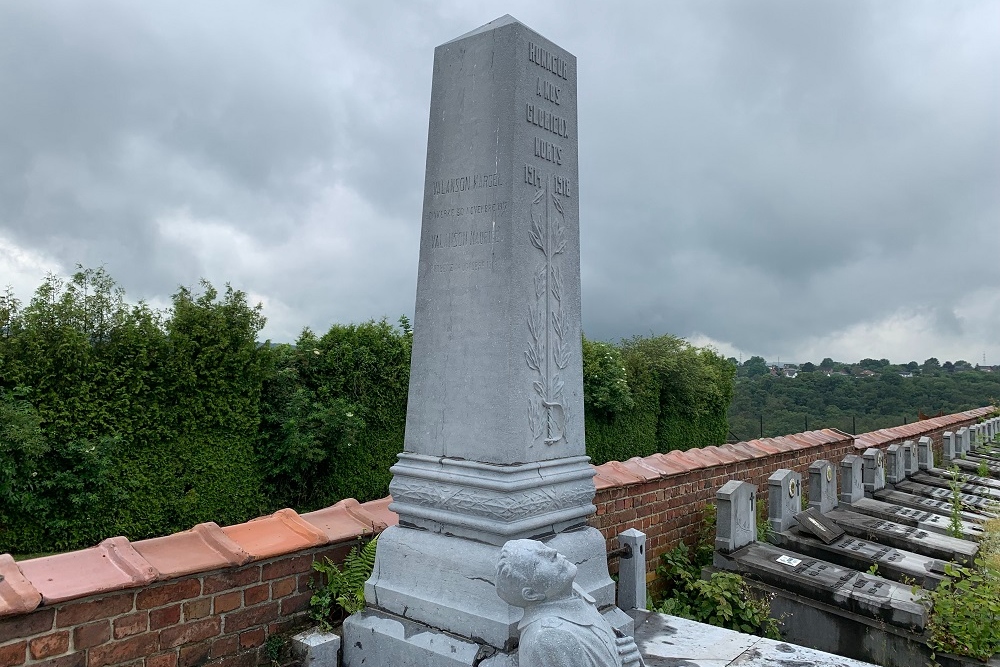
[(494, 443), (736, 516), (851, 479), (822, 486), (949, 444), (784, 499), (873, 471), (925, 453), (894, 470), (909, 458), (963, 440)]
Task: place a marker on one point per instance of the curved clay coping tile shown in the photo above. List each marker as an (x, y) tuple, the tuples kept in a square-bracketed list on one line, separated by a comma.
[(281, 533), (17, 595), (629, 473), (110, 566), (380, 510), (204, 547), (340, 523)]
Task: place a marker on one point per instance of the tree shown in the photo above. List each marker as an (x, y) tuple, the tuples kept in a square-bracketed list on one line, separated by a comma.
[(932, 364), (808, 367), (827, 363), (754, 367), (948, 367), (912, 366)]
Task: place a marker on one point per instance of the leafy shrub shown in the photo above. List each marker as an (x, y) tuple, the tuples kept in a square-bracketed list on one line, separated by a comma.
[(724, 599), (965, 611), (344, 591)]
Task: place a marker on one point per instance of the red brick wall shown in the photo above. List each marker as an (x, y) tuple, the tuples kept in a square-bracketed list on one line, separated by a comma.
[(221, 618), (146, 610), (664, 495)]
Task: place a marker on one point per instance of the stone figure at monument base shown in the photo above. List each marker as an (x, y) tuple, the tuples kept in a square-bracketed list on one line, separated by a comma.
[(561, 626)]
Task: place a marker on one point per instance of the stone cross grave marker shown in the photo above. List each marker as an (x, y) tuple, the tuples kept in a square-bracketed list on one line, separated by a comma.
[(494, 445), (852, 486), (784, 499), (822, 486), (925, 453)]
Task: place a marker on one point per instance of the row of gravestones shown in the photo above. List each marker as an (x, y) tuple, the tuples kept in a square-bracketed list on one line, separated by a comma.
[(892, 515)]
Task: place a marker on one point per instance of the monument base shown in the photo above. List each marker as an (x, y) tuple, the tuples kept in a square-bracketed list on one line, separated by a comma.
[(434, 595)]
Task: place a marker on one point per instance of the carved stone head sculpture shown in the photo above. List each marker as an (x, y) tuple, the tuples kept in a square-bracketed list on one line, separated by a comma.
[(561, 627)]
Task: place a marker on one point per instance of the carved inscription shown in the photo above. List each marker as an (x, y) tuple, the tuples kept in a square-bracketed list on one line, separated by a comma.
[(560, 186), (548, 151), (463, 238), (547, 91), (446, 186), (547, 120), (461, 267), (548, 61), (500, 207)]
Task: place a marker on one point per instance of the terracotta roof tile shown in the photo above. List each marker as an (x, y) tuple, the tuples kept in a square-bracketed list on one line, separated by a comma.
[(110, 566), (344, 521), (723, 454), (204, 547), (381, 511), (666, 464), (280, 533), (614, 476), (631, 470), (651, 466), (682, 460), (604, 479), (17, 595)]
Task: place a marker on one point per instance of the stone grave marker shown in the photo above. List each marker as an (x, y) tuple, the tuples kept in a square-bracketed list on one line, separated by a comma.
[(736, 516), (822, 486), (962, 435), (784, 499), (814, 522), (949, 444), (925, 453), (873, 470), (909, 458), (494, 444), (894, 471), (851, 479)]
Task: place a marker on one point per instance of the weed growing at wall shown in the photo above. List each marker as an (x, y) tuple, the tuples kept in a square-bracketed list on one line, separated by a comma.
[(343, 592)]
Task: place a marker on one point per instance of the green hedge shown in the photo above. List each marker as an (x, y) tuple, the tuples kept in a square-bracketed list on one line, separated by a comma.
[(116, 419)]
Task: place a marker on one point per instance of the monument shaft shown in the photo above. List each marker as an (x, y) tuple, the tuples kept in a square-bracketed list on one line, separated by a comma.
[(496, 373), (494, 447)]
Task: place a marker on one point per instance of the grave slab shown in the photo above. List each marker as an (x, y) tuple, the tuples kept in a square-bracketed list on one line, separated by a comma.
[(927, 504), (975, 488), (909, 538), (677, 642), (971, 502), (827, 582), (916, 518), (857, 554)]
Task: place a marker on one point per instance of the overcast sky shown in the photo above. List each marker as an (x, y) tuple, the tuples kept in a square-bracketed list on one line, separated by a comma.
[(784, 178)]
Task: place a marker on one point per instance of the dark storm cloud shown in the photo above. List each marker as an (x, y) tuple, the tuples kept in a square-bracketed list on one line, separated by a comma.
[(773, 175)]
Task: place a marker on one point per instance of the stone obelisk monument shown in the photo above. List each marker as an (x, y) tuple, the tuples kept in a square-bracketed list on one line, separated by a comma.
[(494, 447)]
